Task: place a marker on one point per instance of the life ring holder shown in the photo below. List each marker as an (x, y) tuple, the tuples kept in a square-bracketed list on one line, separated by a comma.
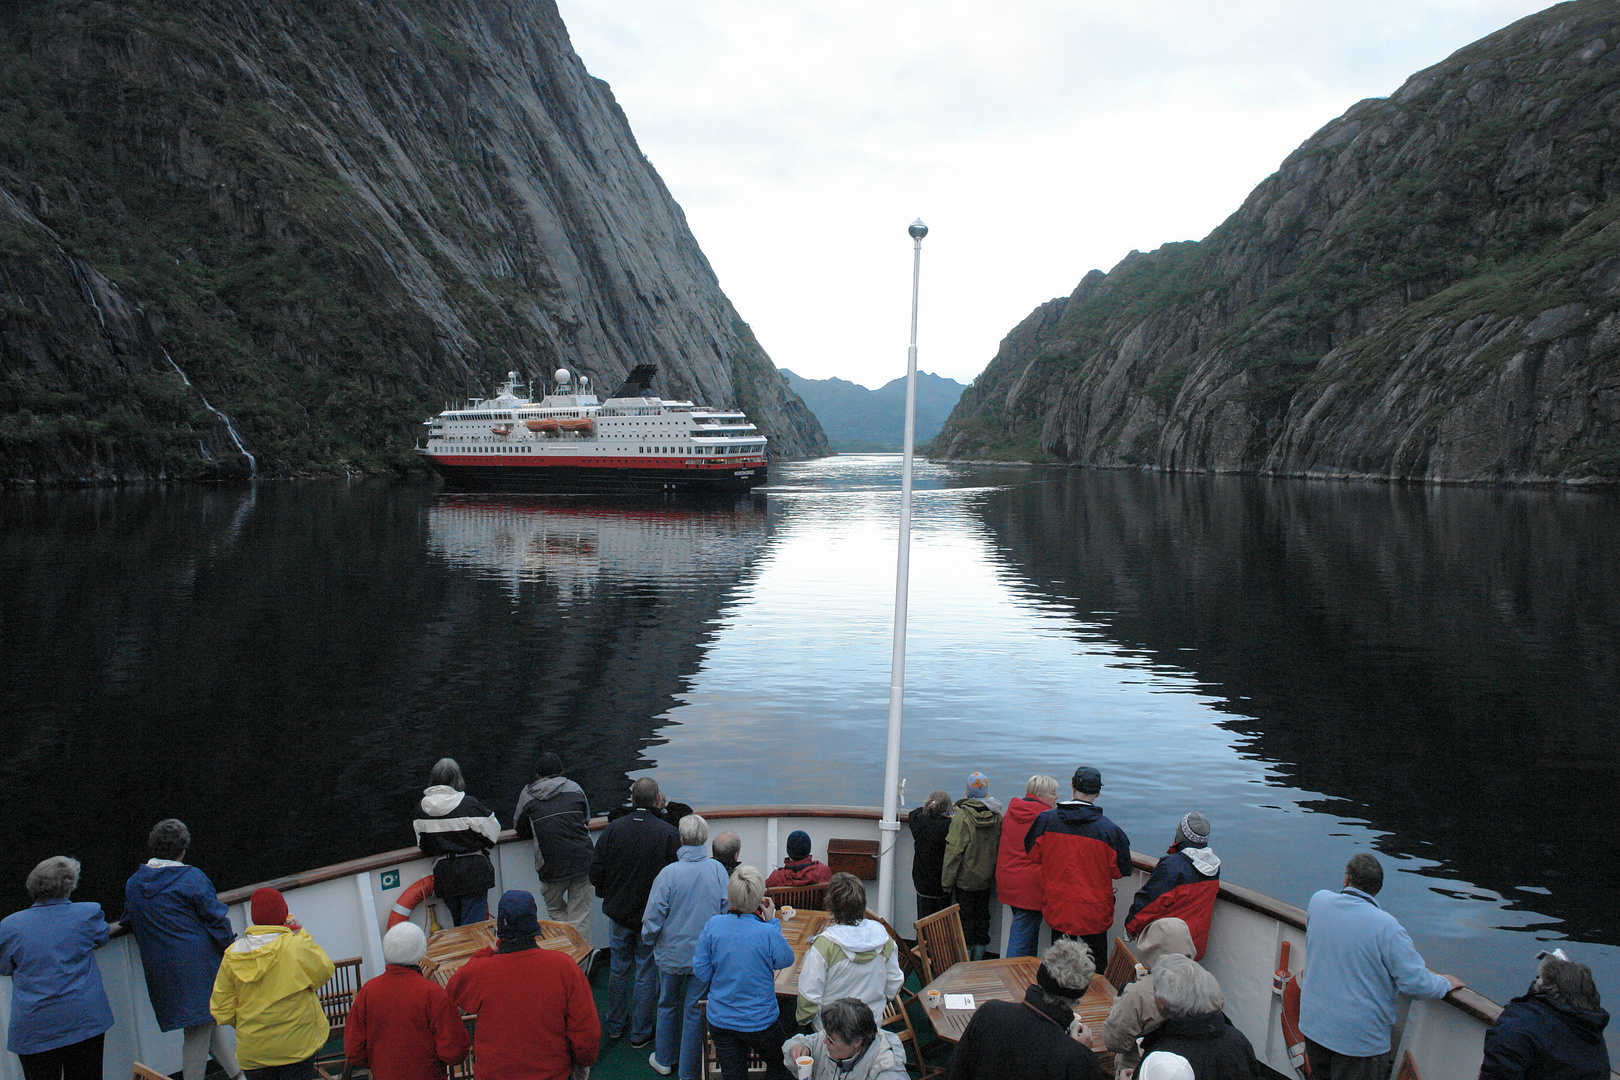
[(416, 892)]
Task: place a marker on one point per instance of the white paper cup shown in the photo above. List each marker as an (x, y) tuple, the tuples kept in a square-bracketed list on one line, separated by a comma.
[(934, 998), (785, 913), (806, 1064)]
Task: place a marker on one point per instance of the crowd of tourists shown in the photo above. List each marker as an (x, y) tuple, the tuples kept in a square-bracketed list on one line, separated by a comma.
[(694, 942)]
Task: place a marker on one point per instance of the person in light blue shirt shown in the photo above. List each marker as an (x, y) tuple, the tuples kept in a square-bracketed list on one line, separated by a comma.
[(738, 954), (59, 1011), (685, 895), (1358, 960)]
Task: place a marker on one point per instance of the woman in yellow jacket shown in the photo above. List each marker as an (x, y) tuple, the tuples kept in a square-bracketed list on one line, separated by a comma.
[(268, 989)]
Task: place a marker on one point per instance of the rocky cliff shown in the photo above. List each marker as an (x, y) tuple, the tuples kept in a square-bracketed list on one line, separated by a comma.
[(275, 235), (1428, 289)]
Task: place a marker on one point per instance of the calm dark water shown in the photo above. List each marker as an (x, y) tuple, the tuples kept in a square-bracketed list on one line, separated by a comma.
[(1432, 674)]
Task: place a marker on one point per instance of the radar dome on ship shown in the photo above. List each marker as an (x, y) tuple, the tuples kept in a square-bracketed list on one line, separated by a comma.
[(564, 375)]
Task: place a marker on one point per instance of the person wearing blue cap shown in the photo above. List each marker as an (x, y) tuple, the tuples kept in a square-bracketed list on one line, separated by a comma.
[(536, 1019), (800, 868)]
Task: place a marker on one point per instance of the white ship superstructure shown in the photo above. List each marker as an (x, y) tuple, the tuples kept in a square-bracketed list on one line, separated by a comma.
[(571, 441)]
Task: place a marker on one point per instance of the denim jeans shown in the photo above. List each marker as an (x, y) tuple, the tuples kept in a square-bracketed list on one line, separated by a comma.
[(467, 909), (630, 951), (680, 1021), (1024, 938), (732, 1047)]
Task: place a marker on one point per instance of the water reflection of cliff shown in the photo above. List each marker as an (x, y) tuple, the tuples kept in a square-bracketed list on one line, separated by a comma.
[(280, 668), (1443, 663)]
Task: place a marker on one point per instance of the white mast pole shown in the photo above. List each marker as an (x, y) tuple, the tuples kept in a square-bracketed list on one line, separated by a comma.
[(890, 823)]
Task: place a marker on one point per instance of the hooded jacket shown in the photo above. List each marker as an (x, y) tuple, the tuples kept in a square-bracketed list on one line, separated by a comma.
[(268, 990), (1212, 1046), (628, 857), (970, 847), (1134, 1011), (1184, 884), (685, 895), (1018, 877), (1080, 853), (182, 930), (885, 1059), (928, 833), (1539, 1037), (555, 812), (457, 829), (56, 994), (858, 961)]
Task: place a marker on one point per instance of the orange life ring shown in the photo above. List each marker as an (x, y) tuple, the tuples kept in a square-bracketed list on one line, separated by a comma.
[(1286, 985), (414, 894)]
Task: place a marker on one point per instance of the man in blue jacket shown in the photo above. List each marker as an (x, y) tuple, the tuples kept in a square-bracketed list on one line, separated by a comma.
[(1358, 960)]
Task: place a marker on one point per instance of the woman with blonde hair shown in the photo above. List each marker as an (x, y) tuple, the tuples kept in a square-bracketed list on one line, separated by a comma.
[(1018, 877), (738, 954)]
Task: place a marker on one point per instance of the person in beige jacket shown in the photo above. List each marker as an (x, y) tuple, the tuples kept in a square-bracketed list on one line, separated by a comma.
[(1134, 1012)]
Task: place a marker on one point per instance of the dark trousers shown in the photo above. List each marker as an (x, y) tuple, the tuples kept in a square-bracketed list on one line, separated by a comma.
[(927, 905), (1331, 1065), (732, 1048), (298, 1070), (975, 915), (76, 1061), (1097, 945), (467, 909)]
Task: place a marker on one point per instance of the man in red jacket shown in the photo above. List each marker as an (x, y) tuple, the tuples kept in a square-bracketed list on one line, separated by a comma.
[(402, 1025), (536, 1019), (1081, 854)]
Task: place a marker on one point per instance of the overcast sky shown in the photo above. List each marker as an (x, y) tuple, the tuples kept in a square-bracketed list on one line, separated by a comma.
[(1039, 139)]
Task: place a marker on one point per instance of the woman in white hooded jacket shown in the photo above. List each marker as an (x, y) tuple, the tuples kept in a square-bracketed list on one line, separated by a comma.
[(853, 957)]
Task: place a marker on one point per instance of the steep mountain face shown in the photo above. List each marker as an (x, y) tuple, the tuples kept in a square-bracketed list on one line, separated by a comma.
[(862, 421), (274, 236), (1428, 289)]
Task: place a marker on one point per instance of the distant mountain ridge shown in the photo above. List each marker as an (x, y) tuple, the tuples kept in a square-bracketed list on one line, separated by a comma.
[(1427, 289), (858, 420)]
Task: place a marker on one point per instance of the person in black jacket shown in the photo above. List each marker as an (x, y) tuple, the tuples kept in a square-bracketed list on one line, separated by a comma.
[(457, 829), (930, 826), (1193, 1028), (629, 854), (1553, 1032), (1038, 1038), (555, 812)]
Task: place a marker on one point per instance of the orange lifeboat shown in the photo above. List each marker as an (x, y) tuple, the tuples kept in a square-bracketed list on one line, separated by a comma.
[(543, 424), (576, 423), (502, 429)]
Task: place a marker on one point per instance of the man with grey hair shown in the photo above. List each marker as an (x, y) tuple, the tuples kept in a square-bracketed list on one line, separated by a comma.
[(727, 847), (1039, 1038), (1358, 961), (1555, 1030), (1193, 1027), (685, 895), (849, 1046), (629, 855), (556, 813), (458, 831)]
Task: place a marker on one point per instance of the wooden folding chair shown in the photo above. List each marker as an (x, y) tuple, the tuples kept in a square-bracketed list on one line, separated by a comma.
[(1121, 966), (907, 957), (1408, 1069), (807, 897), (711, 1059), (940, 942), (146, 1072), (337, 995), (896, 1019)]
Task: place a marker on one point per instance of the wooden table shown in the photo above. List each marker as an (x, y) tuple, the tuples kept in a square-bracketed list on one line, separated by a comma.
[(800, 931), (448, 949), (1006, 980)]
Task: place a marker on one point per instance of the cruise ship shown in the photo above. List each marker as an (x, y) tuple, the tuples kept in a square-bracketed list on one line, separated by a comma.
[(571, 442)]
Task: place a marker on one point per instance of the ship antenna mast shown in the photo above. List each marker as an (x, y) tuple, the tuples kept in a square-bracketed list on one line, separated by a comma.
[(889, 824)]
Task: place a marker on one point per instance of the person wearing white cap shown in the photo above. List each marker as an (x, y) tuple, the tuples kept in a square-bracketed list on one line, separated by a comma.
[(402, 1025), (1164, 1065)]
